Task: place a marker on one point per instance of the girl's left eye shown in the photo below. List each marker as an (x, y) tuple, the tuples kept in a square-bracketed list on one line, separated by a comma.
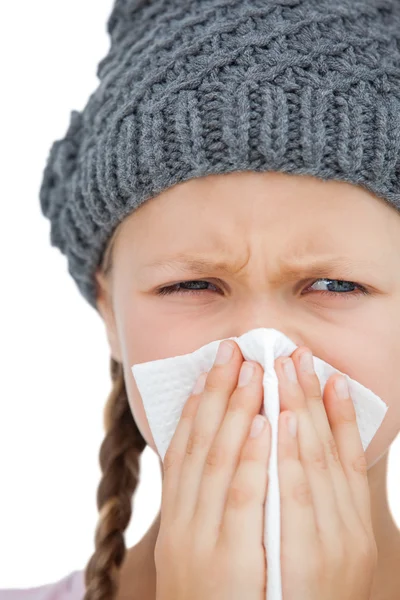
[(342, 285)]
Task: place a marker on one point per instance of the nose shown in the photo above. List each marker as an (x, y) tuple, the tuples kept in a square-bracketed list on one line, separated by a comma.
[(263, 312), (291, 332)]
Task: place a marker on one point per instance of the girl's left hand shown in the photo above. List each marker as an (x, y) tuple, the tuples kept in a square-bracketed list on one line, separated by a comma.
[(328, 548)]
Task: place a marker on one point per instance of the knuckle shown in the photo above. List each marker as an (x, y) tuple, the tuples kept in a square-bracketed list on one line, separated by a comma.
[(217, 379), (212, 384), (314, 394), (171, 458), (332, 451), (359, 465), (196, 441), (317, 459), (216, 459), (320, 461), (302, 493), (239, 403), (239, 497)]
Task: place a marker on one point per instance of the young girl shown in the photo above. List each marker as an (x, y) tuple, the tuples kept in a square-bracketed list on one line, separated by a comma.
[(239, 167)]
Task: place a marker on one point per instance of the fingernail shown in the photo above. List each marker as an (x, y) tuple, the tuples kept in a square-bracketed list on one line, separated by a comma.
[(341, 388), (290, 370), (200, 384), (246, 373), (225, 351)]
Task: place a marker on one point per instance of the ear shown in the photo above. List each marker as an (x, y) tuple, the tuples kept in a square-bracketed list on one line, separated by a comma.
[(106, 311)]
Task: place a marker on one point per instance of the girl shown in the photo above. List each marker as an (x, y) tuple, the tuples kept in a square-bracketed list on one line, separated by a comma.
[(239, 167)]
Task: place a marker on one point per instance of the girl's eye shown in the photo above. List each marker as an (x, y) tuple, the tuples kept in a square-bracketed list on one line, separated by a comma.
[(342, 286), (172, 289)]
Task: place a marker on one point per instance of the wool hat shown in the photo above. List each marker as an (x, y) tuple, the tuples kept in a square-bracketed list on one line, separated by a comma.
[(196, 87)]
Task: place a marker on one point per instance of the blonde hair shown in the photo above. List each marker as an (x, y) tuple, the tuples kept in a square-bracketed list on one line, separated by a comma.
[(119, 459)]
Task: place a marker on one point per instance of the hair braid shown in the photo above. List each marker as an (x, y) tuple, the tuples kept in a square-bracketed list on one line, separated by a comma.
[(120, 465)]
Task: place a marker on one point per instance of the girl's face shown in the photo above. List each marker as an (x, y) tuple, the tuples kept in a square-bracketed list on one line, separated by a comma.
[(270, 230)]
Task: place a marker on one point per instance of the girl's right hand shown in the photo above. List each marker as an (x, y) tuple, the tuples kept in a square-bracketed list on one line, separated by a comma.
[(210, 541)]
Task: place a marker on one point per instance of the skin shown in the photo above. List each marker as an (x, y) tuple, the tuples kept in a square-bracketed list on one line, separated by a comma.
[(258, 221)]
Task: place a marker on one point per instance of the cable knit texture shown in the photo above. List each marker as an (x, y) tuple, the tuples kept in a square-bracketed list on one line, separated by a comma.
[(191, 88)]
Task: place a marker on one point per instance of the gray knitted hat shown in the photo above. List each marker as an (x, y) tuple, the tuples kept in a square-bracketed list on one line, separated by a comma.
[(194, 87)]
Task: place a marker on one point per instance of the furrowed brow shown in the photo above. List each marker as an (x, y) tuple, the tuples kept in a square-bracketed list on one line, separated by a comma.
[(285, 270), (200, 265)]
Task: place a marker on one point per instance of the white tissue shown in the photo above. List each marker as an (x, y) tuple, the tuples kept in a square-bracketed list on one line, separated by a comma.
[(166, 384)]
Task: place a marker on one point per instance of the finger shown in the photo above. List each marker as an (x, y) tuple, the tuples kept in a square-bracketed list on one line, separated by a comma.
[(219, 386), (312, 454), (316, 405), (243, 518), (174, 455), (226, 456), (343, 422), (299, 534)]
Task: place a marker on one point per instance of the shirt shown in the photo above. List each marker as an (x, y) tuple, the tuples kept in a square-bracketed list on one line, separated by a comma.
[(71, 587)]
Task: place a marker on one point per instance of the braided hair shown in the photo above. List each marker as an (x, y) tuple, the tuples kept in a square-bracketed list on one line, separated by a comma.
[(119, 460)]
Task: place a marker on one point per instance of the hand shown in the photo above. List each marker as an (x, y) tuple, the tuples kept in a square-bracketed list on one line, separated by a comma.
[(210, 542), (328, 549)]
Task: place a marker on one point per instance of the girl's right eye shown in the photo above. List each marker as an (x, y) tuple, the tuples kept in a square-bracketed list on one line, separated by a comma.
[(172, 289)]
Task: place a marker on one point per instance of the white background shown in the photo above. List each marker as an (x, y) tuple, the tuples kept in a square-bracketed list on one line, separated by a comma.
[(54, 353)]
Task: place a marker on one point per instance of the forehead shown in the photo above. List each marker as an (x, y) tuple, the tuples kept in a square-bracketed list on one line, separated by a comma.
[(297, 215), (260, 195)]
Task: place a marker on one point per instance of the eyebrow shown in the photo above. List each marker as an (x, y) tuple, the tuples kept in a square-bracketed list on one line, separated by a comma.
[(285, 270)]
